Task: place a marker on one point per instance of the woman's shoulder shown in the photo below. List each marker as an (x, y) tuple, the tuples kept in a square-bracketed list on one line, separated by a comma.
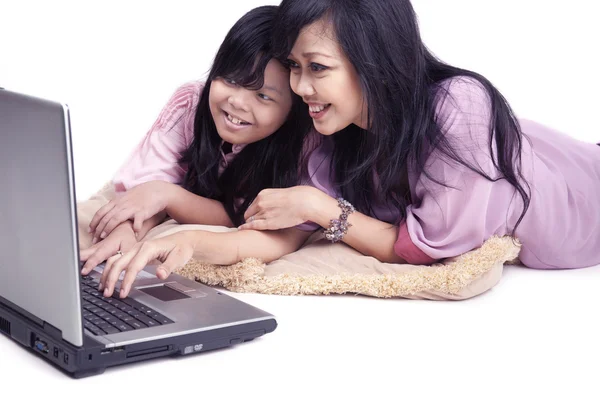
[(462, 94)]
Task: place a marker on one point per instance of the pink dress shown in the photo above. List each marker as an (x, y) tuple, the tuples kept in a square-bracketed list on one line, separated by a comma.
[(156, 156), (562, 226)]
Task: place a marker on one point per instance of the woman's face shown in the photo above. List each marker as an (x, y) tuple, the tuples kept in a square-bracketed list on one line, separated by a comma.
[(326, 80), (245, 116)]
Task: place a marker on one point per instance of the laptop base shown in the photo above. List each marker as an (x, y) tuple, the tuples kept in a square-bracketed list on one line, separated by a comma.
[(93, 358)]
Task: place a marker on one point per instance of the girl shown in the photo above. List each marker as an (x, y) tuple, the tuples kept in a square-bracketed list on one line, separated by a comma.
[(428, 160), (240, 132)]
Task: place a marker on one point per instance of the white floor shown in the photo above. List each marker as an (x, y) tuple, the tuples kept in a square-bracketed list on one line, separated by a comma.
[(534, 335)]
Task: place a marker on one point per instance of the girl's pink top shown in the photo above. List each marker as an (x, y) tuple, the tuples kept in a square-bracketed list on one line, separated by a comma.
[(157, 155)]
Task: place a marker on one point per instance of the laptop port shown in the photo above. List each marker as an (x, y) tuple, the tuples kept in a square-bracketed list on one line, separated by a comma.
[(41, 346)]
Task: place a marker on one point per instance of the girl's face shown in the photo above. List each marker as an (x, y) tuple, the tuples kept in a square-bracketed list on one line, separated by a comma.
[(245, 116), (326, 80)]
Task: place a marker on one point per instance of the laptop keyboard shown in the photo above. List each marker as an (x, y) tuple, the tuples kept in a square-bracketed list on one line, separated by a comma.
[(106, 315)]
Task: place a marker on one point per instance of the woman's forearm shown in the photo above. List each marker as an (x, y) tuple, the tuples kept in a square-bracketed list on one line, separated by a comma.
[(367, 235), (226, 248), (187, 208)]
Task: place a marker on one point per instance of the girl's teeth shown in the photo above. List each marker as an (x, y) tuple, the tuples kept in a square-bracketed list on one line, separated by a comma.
[(235, 120)]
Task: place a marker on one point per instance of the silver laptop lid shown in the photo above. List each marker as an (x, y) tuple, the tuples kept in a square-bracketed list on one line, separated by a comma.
[(39, 252)]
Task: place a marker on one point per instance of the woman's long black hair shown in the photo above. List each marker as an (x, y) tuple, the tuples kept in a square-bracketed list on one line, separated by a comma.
[(272, 162), (401, 80)]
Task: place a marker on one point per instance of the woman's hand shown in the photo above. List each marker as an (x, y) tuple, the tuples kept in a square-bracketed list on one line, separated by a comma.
[(121, 239), (173, 252), (275, 209), (139, 203)]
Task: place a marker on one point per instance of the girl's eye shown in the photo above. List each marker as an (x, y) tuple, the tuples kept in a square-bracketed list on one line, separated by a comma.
[(264, 96), (291, 64), (229, 81), (317, 67)]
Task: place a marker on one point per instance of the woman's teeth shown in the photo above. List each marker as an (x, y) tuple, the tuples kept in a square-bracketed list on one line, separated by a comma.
[(236, 121), (318, 109)]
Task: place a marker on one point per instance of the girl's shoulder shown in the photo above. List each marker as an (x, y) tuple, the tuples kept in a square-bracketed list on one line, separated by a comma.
[(178, 114), (188, 92)]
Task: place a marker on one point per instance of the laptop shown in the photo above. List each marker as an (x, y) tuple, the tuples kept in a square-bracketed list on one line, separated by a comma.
[(47, 305)]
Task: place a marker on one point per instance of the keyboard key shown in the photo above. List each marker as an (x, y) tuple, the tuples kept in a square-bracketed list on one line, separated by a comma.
[(130, 302), (95, 309), (110, 329), (121, 315), (146, 320), (102, 304), (134, 313), (145, 310), (95, 301), (92, 328), (160, 318), (137, 324), (102, 324), (124, 327), (121, 306)]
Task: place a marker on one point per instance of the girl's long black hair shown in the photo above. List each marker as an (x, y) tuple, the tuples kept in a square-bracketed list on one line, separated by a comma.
[(401, 81), (272, 162)]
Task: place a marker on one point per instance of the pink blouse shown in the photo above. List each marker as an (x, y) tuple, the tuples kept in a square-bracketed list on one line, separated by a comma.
[(561, 227)]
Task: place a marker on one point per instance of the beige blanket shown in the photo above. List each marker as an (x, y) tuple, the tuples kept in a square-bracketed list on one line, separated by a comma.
[(320, 268)]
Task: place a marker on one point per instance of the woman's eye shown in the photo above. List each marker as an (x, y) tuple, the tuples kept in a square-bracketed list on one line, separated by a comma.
[(229, 81), (264, 96), (291, 63), (317, 67)]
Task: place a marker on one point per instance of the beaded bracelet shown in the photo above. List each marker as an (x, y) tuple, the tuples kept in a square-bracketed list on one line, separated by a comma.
[(339, 227)]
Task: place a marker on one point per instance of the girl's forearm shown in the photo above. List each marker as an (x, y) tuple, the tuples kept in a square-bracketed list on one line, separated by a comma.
[(187, 208), (151, 223), (226, 248)]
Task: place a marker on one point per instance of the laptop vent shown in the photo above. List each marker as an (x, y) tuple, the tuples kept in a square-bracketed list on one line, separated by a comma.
[(4, 326)]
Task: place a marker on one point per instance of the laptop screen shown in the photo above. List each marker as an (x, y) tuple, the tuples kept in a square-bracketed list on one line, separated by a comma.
[(39, 264)]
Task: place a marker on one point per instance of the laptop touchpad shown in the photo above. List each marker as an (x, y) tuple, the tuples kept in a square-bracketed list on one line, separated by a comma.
[(164, 293)]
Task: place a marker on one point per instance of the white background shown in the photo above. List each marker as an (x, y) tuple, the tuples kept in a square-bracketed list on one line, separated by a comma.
[(534, 335)]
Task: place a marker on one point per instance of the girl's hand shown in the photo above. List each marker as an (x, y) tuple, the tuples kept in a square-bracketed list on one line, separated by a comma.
[(173, 251), (139, 203), (275, 209), (121, 239)]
